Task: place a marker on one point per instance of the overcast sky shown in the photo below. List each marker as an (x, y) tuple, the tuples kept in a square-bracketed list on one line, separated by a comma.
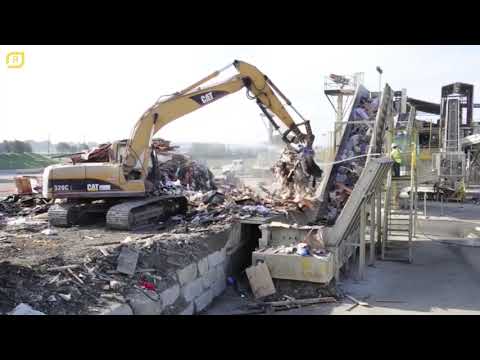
[(97, 93)]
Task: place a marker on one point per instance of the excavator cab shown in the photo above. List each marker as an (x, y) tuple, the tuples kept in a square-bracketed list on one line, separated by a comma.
[(119, 150)]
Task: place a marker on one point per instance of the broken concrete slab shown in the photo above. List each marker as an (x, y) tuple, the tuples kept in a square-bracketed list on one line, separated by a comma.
[(25, 309), (170, 295), (193, 289), (260, 280), (209, 278), (216, 258), (219, 287), (127, 261), (189, 310), (203, 266), (203, 300), (118, 309), (220, 273), (187, 274), (295, 267), (142, 304)]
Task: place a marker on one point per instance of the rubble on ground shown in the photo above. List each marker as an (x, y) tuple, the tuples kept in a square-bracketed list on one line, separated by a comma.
[(23, 205), (76, 271), (177, 173), (25, 309), (180, 171), (82, 269)]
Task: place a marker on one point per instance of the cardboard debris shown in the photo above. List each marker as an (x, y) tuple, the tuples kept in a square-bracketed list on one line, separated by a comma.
[(260, 280), (66, 297)]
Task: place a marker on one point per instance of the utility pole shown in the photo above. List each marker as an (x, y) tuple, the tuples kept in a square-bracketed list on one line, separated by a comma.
[(49, 144), (380, 72)]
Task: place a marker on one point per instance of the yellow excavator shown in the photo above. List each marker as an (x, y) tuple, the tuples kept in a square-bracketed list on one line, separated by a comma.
[(124, 188)]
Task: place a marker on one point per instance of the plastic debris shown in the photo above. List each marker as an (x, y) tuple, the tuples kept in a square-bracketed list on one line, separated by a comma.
[(114, 285), (15, 222), (25, 309), (49, 232), (303, 249), (66, 297), (147, 285)]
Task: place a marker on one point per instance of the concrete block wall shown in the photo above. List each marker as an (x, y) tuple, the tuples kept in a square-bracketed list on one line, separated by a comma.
[(196, 286)]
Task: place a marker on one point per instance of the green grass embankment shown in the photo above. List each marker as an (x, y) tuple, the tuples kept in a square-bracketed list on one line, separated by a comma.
[(10, 161)]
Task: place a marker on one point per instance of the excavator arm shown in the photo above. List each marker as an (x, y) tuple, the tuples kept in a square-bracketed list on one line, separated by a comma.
[(259, 88)]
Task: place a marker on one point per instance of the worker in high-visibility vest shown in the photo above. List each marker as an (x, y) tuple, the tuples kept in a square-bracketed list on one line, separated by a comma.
[(396, 156), (460, 190)]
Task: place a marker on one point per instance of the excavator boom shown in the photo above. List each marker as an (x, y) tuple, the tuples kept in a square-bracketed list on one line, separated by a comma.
[(259, 88)]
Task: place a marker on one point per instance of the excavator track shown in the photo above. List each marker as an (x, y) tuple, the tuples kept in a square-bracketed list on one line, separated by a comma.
[(74, 213), (64, 215), (131, 214)]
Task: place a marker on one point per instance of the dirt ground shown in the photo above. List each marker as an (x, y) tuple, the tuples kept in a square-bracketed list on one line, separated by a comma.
[(29, 256), (28, 259), (6, 188)]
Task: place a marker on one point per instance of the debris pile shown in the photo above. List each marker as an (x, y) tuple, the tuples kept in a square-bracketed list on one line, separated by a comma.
[(64, 271), (161, 145), (345, 174), (102, 153), (23, 205), (312, 245), (287, 303), (178, 170), (224, 206), (177, 173), (292, 182), (104, 272), (301, 249)]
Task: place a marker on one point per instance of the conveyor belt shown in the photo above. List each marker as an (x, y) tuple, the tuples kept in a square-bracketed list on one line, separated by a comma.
[(375, 146), (374, 173)]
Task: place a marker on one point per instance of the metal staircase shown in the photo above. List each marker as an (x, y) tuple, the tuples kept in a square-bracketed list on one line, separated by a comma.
[(398, 243), (401, 209), (401, 215)]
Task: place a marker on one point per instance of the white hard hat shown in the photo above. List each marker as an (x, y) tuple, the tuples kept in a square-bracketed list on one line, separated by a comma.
[(394, 145)]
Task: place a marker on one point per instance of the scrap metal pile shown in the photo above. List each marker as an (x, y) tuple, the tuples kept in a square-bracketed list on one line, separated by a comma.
[(345, 174)]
